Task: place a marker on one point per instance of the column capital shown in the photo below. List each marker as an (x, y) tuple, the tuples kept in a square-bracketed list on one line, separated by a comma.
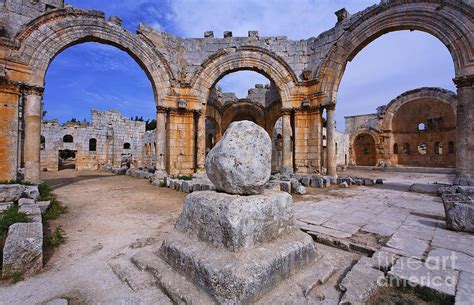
[(464, 81), (32, 90), (161, 109), (331, 106), (286, 111)]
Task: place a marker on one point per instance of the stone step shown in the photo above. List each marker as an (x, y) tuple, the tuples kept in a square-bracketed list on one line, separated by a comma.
[(133, 277), (177, 287)]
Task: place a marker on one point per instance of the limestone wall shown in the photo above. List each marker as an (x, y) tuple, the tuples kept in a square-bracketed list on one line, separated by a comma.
[(110, 129), (417, 128)]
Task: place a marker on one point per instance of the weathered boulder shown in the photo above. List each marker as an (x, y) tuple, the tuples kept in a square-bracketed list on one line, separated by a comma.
[(459, 209), (11, 192), (240, 161), (23, 251)]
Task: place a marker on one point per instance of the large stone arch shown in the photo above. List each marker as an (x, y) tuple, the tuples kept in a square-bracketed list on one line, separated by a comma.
[(43, 38), (452, 22), (231, 112), (355, 151), (255, 59), (438, 94)]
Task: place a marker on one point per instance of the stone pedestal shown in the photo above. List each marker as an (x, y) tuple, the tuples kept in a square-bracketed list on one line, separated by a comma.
[(237, 248)]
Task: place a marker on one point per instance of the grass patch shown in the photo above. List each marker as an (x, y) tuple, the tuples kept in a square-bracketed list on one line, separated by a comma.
[(406, 295), (55, 238), (55, 207), (162, 184), (17, 277), (189, 177), (8, 217)]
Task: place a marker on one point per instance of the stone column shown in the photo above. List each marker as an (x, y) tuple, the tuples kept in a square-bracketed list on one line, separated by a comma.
[(331, 141), (32, 118), (10, 133), (161, 138), (464, 131), (314, 142), (287, 162), (201, 143)]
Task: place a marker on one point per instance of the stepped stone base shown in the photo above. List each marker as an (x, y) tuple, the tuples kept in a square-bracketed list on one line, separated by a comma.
[(238, 277), (237, 248)]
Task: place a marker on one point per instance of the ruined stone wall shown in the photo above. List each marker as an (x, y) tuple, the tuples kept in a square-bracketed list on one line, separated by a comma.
[(358, 122), (306, 74), (418, 128), (110, 130)]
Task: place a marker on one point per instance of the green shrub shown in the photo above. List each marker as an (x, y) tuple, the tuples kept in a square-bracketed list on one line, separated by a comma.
[(55, 208), (56, 238), (162, 184), (189, 177), (17, 277), (9, 217)]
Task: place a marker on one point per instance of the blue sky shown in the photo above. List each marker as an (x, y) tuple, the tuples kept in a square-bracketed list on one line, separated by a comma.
[(97, 76)]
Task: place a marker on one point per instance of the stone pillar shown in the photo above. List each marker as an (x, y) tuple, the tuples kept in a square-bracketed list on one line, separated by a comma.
[(314, 141), (331, 141), (10, 133), (287, 164), (464, 131), (201, 143), (161, 139), (32, 118), (180, 137)]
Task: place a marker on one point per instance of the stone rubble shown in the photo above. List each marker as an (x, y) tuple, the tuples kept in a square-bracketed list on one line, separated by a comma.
[(23, 249)]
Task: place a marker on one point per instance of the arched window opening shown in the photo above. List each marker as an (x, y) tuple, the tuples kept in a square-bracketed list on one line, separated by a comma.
[(421, 127), (406, 149), (395, 149), (42, 143), (126, 146), (451, 147), (438, 149), (68, 139), (92, 144), (336, 148), (422, 148)]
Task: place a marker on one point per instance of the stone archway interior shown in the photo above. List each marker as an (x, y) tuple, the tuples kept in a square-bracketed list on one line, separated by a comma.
[(364, 150)]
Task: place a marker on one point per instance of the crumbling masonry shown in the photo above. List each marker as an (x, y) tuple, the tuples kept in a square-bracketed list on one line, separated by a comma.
[(182, 72)]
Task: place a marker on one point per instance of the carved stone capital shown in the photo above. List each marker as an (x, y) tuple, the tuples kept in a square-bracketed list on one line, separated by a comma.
[(32, 90), (464, 81)]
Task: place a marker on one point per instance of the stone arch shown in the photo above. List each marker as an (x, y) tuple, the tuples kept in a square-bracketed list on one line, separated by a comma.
[(255, 59), (43, 38), (357, 152), (452, 22), (438, 94), (246, 109)]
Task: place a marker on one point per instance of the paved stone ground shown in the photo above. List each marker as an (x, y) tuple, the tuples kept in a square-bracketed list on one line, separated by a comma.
[(369, 233), (391, 221)]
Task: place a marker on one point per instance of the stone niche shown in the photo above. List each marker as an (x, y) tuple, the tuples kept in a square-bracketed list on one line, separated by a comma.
[(238, 247)]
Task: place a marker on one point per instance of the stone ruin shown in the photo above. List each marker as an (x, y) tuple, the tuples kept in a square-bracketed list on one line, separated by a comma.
[(239, 242)]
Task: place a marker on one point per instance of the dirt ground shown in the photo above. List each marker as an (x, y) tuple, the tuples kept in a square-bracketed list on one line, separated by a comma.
[(105, 215)]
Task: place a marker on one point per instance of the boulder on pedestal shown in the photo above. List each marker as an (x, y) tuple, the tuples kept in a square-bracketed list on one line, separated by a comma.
[(240, 161), (238, 245)]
